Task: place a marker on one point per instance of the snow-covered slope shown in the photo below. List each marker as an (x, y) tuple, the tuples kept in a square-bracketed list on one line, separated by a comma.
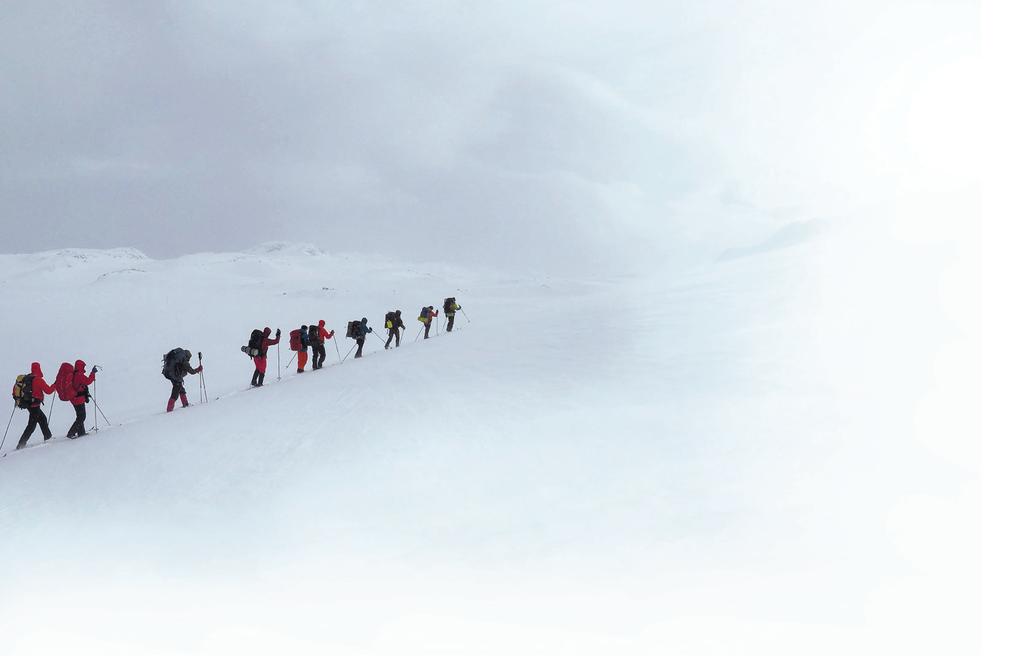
[(693, 461)]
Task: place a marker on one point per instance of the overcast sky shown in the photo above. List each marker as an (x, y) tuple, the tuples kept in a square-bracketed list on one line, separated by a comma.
[(524, 133)]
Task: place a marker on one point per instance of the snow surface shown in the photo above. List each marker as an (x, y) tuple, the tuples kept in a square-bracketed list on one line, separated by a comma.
[(766, 454)]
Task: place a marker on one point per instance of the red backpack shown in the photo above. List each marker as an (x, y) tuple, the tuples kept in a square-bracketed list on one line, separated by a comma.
[(64, 382), (295, 340)]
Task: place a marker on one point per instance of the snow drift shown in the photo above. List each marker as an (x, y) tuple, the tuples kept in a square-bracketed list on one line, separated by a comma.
[(702, 460)]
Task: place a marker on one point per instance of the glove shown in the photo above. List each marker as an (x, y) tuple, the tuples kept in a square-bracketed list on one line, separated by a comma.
[(93, 369), (371, 329), (278, 333), (332, 333), (199, 369)]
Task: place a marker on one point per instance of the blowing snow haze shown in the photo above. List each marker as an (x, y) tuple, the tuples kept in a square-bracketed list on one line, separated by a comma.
[(554, 135)]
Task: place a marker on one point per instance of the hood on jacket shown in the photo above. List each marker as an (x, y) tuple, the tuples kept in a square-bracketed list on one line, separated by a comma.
[(364, 320), (322, 324), (266, 331), (37, 370), (80, 366)]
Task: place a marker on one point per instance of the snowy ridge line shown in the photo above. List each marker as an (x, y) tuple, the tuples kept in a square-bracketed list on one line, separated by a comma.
[(234, 393)]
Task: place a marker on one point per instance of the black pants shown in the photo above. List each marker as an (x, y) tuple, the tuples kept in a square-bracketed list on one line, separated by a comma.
[(319, 354), (393, 335), (359, 342), (35, 416), (426, 329), (177, 389), (78, 428), (451, 321)]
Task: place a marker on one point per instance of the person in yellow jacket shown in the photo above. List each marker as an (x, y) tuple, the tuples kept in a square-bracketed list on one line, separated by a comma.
[(450, 307)]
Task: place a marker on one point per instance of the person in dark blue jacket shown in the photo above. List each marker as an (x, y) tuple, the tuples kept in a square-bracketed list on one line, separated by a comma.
[(361, 337)]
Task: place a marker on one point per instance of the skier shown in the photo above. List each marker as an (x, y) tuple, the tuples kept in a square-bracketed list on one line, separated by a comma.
[(176, 367), (393, 322), (304, 351), (361, 333), (260, 360), (319, 354), (450, 307), (427, 315), (35, 413), (80, 383)]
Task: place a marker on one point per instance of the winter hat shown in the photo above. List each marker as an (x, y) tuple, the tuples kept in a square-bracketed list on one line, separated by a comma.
[(266, 331), (364, 320), (322, 324), (80, 365), (37, 370)]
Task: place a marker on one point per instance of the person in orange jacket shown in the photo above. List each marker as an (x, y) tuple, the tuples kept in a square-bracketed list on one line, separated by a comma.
[(40, 388), (319, 353), (80, 383)]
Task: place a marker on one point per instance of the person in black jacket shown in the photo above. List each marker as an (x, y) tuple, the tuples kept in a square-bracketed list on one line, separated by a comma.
[(361, 336), (178, 366), (394, 324)]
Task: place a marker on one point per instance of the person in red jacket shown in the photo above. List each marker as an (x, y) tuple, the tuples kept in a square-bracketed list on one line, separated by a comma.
[(35, 413), (80, 382), (319, 354), (261, 359)]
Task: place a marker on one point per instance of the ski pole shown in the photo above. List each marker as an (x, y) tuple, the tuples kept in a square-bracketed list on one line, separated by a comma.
[(420, 332), (336, 349), (294, 355), (51, 412), (349, 353), (379, 337), (279, 361), (95, 419), (464, 314), (202, 381), (101, 411), (8, 426)]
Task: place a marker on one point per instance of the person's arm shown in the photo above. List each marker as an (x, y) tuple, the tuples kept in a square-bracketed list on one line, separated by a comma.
[(326, 334), (46, 389), (276, 340), (90, 379)]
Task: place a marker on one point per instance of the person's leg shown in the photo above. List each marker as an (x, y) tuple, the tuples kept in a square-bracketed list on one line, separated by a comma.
[(184, 397), (44, 425), (451, 322), (359, 342), (73, 431), (426, 329), (323, 355), (175, 389), (82, 414), (398, 337), (391, 335), (303, 356), (30, 428)]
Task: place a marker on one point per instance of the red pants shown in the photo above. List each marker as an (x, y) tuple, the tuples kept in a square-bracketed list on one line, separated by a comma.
[(303, 356), (261, 364)]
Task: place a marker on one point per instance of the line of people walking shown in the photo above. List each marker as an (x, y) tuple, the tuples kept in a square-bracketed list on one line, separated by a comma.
[(72, 381)]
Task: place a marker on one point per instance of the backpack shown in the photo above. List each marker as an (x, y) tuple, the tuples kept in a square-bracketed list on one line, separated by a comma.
[(22, 391), (355, 329), (449, 304), (172, 363), (424, 315), (295, 340), (64, 383), (314, 335), (389, 320), (255, 347)]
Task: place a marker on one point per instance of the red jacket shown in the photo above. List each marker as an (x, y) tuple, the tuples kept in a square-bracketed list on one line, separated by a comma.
[(268, 341), (324, 334), (39, 387), (80, 382)]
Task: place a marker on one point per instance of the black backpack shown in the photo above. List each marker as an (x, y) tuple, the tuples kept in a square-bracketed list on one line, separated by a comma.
[(172, 363), (314, 336), (449, 303), (389, 317), (255, 347), (22, 392), (354, 329)]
